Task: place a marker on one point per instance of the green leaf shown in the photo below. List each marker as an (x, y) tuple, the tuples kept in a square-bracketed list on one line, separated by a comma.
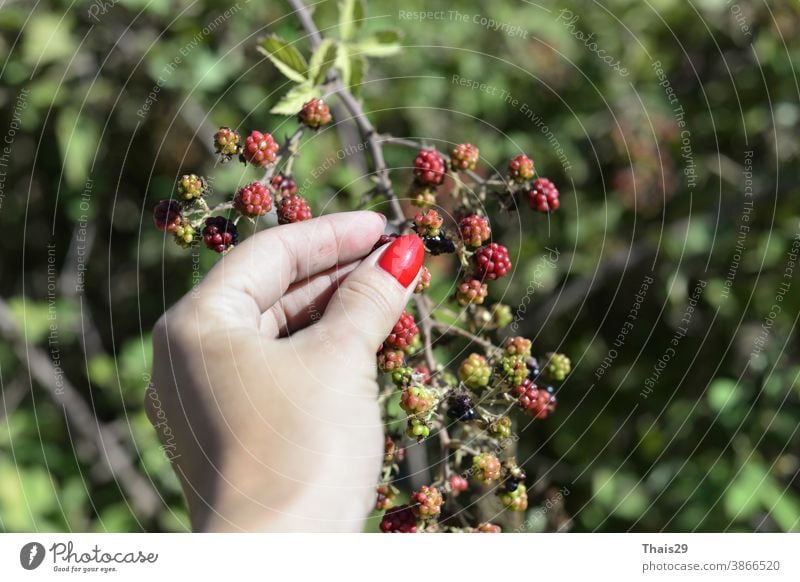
[(351, 17), (321, 61), (284, 56), (343, 64), (291, 103), (382, 43), (741, 498), (358, 70)]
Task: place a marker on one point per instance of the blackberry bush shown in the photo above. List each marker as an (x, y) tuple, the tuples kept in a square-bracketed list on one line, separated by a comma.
[(464, 406)]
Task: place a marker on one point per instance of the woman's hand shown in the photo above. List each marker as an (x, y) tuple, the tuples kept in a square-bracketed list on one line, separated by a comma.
[(264, 377)]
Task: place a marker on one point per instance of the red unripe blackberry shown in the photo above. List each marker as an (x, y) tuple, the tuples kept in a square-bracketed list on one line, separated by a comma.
[(401, 519), (385, 497), (404, 332), (293, 209), (520, 168), (543, 196), (491, 261), (260, 149), (391, 452), (486, 527), (390, 360), (475, 230), (464, 157), (535, 400), (283, 185), (220, 234), (226, 142), (486, 467), (167, 215), (428, 223), (518, 346), (428, 502), (458, 484), (471, 291), (315, 114), (191, 186), (417, 399), (253, 200), (429, 167), (424, 280)]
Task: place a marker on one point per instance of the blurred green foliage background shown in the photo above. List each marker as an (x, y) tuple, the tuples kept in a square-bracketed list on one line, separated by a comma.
[(653, 189)]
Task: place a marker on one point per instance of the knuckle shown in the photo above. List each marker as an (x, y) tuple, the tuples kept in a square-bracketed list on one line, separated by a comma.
[(369, 293)]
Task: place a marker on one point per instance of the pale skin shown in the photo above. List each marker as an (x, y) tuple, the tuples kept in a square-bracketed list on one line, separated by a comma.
[(266, 379)]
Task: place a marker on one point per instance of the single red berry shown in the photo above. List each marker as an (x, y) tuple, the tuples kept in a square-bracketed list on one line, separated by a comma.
[(464, 157), (390, 360), (491, 261), (424, 280), (520, 168), (315, 114), (458, 484), (474, 230), (226, 142), (486, 527), (428, 223), (404, 332), (417, 400), (518, 346), (429, 168), (428, 502), (253, 200), (486, 467), (167, 215), (401, 519), (293, 209), (220, 234), (283, 185), (471, 291), (543, 196), (535, 400), (260, 149), (385, 497)]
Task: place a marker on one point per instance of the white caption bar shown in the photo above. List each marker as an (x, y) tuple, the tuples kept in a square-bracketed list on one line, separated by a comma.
[(389, 557)]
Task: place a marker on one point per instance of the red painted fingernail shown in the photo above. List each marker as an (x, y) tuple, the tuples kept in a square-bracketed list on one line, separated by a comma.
[(403, 258)]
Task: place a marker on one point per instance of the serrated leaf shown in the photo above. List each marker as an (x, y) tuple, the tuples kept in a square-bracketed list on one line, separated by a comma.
[(321, 61), (291, 103), (382, 43), (285, 57), (351, 17), (358, 70)]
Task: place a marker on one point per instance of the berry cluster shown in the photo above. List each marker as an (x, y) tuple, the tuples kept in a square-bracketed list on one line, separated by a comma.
[(468, 405)]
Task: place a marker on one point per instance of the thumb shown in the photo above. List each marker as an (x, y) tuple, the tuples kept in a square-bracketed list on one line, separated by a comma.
[(370, 301)]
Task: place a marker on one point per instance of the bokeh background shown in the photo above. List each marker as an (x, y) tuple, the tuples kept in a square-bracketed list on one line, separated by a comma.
[(672, 132)]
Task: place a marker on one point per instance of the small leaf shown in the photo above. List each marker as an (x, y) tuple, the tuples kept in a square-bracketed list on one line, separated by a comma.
[(358, 70), (351, 17), (321, 61), (291, 103), (382, 43), (284, 56)]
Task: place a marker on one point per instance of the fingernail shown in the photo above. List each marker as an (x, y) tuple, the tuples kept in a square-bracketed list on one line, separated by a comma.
[(383, 216), (403, 258)]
